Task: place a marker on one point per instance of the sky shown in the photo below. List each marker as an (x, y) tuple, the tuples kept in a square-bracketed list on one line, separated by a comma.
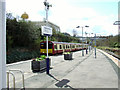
[(99, 15)]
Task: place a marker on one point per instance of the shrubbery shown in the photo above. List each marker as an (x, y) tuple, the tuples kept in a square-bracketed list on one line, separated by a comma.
[(26, 34), (16, 56)]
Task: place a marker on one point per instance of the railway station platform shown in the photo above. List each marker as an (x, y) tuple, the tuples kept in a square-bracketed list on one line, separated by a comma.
[(82, 73)]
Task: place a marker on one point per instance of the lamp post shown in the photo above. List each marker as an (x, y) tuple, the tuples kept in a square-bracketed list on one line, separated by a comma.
[(89, 42), (86, 42), (82, 38), (47, 5), (95, 43), (116, 23)]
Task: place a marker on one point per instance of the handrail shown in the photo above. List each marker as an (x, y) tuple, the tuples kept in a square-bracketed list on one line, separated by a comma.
[(22, 75), (8, 79), (9, 72)]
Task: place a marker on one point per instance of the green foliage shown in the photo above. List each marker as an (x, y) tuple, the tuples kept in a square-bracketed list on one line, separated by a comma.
[(109, 49), (67, 53), (42, 57), (17, 55), (61, 37), (21, 33), (111, 41), (37, 59), (26, 34)]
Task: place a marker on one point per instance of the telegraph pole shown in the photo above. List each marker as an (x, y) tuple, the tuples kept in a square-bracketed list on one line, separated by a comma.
[(82, 38), (95, 45), (82, 43)]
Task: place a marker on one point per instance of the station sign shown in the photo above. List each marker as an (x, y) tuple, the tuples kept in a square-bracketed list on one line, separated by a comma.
[(47, 31)]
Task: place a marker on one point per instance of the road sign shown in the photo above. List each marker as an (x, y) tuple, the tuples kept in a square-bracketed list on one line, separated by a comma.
[(47, 31)]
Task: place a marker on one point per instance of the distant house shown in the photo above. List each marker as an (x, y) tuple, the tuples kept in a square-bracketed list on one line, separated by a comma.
[(50, 24)]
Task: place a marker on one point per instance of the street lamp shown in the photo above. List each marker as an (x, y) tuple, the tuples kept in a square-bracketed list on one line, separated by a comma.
[(47, 5), (116, 23), (86, 42), (82, 38), (95, 43)]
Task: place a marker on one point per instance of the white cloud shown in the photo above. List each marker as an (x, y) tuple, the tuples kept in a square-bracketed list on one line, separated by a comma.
[(66, 15), (31, 7), (69, 17)]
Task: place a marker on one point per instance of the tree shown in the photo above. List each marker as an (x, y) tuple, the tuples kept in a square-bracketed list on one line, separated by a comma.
[(110, 41)]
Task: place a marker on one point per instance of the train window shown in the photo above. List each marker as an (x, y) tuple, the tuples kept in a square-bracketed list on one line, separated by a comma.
[(43, 45), (68, 46), (64, 46), (50, 45), (60, 47), (73, 46), (55, 46)]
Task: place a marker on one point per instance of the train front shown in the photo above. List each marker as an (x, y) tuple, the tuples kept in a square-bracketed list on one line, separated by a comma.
[(43, 48)]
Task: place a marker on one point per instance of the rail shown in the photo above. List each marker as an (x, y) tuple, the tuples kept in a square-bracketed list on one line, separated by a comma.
[(9, 72), (8, 80)]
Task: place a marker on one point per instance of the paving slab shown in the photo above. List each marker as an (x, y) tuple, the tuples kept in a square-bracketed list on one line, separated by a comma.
[(81, 72)]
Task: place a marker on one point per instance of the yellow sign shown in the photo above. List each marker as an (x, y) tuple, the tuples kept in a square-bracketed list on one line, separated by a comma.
[(25, 16)]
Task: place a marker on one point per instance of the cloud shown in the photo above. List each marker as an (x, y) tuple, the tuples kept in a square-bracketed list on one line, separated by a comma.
[(66, 14), (31, 7), (70, 17)]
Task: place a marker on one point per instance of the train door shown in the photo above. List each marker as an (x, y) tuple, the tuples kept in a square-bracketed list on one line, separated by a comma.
[(55, 49), (63, 48)]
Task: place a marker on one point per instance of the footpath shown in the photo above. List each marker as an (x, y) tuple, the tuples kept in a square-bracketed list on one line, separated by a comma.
[(83, 72)]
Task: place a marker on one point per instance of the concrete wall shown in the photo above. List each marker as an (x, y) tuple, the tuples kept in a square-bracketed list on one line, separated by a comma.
[(2, 44)]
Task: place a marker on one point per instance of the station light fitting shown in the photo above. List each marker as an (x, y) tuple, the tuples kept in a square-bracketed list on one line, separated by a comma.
[(116, 23)]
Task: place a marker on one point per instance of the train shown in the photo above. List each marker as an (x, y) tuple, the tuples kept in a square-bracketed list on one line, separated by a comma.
[(60, 47)]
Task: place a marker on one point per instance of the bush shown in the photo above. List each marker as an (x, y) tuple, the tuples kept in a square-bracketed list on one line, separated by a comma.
[(16, 56)]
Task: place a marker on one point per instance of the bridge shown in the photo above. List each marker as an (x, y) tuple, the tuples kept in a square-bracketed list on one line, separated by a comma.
[(97, 37)]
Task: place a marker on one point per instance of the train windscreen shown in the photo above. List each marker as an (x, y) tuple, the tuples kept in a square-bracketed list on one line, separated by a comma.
[(43, 45)]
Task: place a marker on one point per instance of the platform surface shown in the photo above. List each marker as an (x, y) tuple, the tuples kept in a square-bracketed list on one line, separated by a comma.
[(81, 72)]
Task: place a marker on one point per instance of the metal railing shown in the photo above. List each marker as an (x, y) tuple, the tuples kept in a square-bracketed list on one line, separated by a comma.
[(8, 73), (11, 72)]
